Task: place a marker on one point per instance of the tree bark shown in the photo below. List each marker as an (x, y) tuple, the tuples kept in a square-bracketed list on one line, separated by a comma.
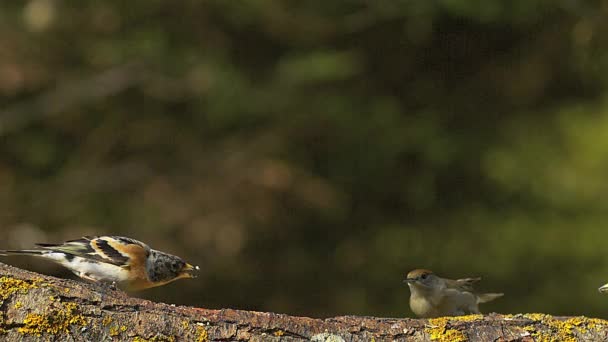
[(36, 307)]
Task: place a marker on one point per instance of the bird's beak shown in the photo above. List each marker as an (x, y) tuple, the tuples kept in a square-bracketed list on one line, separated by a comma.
[(409, 280), (603, 288), (188, 271)]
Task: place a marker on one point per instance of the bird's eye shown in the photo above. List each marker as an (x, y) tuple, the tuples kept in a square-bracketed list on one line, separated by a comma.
[(424, 276)]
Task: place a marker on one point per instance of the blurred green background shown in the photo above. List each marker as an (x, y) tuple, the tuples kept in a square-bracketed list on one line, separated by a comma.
[(308, 154)]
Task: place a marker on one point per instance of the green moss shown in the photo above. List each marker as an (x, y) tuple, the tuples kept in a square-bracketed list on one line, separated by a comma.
[(55, 322)]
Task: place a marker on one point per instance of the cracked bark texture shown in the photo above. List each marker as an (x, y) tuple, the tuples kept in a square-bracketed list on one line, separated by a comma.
[(35, 307)]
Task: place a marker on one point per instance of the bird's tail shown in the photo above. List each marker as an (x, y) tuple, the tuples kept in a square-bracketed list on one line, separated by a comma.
[(21, 252), (487, 297)]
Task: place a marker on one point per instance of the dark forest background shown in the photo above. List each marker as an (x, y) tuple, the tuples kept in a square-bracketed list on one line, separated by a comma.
[(308, 154)]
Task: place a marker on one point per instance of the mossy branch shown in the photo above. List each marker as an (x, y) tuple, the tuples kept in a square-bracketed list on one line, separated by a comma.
[(34, 306)]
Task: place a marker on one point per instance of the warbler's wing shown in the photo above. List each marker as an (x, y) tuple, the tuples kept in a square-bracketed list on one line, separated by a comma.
[(465, 284), (457, 302), (115, 250), (486, 297)]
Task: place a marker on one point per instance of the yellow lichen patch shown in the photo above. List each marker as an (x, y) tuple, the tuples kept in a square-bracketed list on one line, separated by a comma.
[(279, 333), (467, 318), (10, 286), (114, 331), (529, 328), (55, 322), (106, 321), (448, 319), (162, 338), (567, 330), (18, 305), (596, 323), (447, 335), (438, 328), (158, 338), (2, 330), (201, 334)]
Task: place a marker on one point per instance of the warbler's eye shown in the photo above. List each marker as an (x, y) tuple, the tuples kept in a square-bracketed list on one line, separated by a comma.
[(424, 276)]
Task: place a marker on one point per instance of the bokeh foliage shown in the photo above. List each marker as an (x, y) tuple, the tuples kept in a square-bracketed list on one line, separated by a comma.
[(307, 154)]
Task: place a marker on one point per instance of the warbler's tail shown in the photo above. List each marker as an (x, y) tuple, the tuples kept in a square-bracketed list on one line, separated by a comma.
[(487, 297), (21, 252)]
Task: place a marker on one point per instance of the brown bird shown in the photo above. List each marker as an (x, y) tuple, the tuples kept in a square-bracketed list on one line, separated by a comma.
[(433, 296)]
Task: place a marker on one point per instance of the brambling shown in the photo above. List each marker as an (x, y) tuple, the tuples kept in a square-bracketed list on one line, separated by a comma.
[(433, 296), (117, 260)]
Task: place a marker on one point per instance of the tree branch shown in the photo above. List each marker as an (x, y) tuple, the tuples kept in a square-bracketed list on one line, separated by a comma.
[(34, 306)]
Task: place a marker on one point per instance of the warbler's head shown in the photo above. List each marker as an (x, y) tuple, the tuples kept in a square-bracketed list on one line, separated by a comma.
[(422, 279)]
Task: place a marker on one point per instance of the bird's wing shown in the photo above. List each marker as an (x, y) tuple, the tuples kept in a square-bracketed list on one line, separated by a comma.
[(115, 250), (457, 302), (486, 297), (465, 284)]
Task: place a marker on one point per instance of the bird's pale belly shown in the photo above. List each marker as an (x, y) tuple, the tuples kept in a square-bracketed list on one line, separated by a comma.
[(423, 308), (92, 270)]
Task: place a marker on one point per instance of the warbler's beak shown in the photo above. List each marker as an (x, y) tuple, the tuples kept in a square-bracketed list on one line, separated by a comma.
[(409, 280), (603, 288), (188, 271)]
